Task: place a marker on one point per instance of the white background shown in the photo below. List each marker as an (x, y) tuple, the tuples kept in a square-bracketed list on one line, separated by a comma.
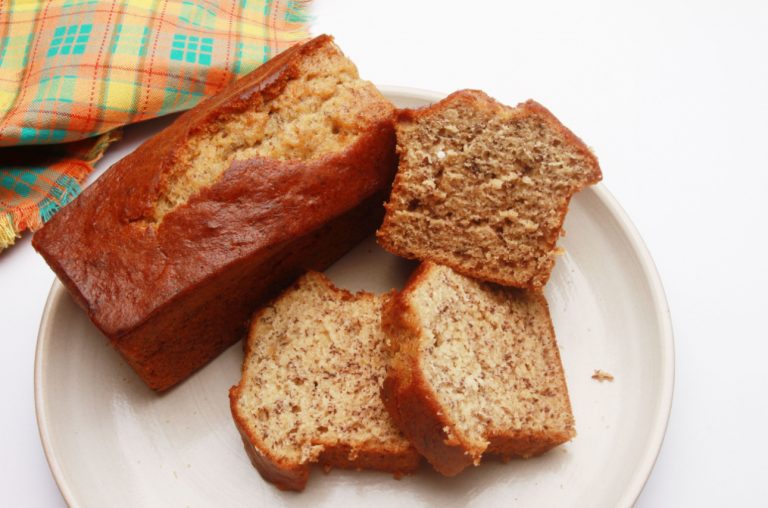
[(672, 96)]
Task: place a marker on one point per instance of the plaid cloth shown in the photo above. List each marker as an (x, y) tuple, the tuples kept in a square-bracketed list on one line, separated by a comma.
[(74, 70)]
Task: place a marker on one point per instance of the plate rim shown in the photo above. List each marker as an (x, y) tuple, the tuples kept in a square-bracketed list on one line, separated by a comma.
[(663, 317)]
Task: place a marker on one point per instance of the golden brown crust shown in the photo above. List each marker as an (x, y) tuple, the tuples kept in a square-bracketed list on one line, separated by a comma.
[(524, 444), (161, 359), (479, 98), (416, 413), (172, 296), (406, 395), (342, 456)]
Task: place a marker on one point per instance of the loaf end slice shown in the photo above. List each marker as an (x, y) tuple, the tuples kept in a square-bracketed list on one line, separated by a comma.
[(475, 370), (309, 394), (484, 188)]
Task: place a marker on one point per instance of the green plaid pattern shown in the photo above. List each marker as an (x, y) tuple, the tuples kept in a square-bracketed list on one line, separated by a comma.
[(76, 69)]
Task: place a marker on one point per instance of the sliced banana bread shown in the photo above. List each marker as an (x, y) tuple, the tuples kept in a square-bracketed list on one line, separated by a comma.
[(476, 370), (314, 365), (484, 188)]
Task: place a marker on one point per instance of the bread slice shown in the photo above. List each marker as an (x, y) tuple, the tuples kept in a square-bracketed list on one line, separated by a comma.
[(484, 188), (172, 250), (476, 370), (314, 364)]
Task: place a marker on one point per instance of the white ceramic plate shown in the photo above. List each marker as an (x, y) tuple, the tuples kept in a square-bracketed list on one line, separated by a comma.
[(110, 441)]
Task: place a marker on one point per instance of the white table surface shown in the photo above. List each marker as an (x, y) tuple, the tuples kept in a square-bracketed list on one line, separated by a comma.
[(672, 96)]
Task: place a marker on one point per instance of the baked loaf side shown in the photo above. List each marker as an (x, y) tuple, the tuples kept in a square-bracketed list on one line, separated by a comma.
[(476, 370), (174, 247), (321, 110), (484, 188), (314, 364)]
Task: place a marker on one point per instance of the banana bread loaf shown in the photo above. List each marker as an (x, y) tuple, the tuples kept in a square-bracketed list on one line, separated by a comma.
[(484, 188), (176, 245), (314, 363), (476, 370)]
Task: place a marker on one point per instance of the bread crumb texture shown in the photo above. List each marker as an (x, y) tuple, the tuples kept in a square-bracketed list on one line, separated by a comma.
[(315, 363), (488, 354), (601, 375), (322, 110), (484, 187)]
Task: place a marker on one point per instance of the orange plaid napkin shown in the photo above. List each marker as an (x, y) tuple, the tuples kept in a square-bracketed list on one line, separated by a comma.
[(73, 71)]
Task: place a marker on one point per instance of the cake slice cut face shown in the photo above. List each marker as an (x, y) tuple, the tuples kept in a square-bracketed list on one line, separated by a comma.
[(476, 370), (484, 188), (314, 366)]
